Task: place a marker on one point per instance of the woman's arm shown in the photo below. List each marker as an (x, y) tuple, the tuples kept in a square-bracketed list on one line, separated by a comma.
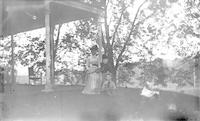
[(100, 60), (87, 63)]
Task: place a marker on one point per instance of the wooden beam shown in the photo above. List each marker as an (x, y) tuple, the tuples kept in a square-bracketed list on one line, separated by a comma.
[(80, 6), (33, 14)]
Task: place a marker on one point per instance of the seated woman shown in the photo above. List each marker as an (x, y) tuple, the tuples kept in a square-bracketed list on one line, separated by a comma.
[(93, 76)]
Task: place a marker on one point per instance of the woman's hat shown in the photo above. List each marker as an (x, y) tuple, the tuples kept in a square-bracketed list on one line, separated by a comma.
[(95, 47)]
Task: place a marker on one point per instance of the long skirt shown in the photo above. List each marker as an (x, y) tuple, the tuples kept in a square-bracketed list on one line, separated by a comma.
[(93, 85)]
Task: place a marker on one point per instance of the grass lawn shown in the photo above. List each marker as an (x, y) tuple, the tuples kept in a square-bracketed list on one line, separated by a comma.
[(66, 103)]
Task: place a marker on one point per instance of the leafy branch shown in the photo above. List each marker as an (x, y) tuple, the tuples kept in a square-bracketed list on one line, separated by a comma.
[(129, 36)]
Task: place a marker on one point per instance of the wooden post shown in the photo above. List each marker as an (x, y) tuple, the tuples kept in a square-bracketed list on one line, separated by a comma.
[(52, 54), (1, 19), (1, 37), (99, 39), (197, 72), (12, 61), (49, 76)]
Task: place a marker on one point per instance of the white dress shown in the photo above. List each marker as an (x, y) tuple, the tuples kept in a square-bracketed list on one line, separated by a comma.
[(93, 77)]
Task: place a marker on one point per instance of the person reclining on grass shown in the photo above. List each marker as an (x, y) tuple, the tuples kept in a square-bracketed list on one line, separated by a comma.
[(149, 91)]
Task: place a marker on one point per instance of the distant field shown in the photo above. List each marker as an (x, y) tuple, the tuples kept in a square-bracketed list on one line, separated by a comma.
[(22, 79), (186, 90)]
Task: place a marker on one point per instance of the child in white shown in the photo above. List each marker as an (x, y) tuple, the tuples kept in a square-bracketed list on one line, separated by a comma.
[(148, 90)]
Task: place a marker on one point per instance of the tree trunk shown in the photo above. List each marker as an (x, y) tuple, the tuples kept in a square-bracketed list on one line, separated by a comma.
[(111, 62), (197, 77), (114, 77), (13, 81)]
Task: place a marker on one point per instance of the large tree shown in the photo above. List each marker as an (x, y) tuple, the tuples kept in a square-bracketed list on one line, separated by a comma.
[(127, 29), (193, 28)]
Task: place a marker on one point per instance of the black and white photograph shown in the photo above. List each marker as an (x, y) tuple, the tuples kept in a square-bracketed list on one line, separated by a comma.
[(99, 60)]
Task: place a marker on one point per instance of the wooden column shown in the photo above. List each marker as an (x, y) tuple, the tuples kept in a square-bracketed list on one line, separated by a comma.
[(197, 72), (1, 37), (49, 66), (12, 61), (1, 19), (52, 54)]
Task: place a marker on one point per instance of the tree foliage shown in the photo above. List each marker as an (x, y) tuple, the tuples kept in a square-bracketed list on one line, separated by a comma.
[(131, 29)]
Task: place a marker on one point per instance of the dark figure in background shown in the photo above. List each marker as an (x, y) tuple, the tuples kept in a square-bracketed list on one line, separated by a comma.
[(108, 85), (105, 67)]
